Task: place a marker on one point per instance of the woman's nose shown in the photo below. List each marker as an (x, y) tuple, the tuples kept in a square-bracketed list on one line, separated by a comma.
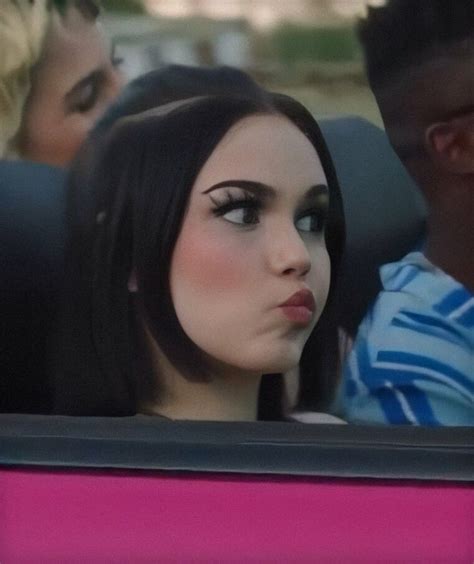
[(288, 254)]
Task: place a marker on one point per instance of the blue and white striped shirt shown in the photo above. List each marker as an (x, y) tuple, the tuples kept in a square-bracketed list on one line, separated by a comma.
[(413, 357)]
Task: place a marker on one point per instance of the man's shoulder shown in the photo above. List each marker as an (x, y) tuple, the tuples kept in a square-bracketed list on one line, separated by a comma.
[(419, 318), (417, 293), (412, 356)]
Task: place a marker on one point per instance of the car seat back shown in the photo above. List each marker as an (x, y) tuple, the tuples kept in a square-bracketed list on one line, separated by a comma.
[(31, 258), (385, 214)]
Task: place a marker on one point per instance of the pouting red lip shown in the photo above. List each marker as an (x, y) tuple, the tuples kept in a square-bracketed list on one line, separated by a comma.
[(303, 298)]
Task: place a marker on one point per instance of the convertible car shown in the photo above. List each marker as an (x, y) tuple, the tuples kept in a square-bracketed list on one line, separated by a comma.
[(139, 489)]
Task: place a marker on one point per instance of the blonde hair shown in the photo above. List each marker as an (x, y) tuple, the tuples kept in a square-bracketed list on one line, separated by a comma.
[(23, 27)]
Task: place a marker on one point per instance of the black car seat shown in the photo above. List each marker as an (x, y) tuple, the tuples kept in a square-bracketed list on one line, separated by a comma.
[(385, 214), (31, 255)]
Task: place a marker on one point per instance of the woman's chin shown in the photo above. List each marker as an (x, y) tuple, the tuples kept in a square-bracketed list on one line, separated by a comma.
[(279, 366)]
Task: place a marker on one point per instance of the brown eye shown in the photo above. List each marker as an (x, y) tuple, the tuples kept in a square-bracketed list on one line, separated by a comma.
[(243, 210), (312, 221), (242, 215)]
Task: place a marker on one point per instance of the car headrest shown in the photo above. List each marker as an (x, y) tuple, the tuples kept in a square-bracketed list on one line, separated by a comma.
[(384, 211), (31, 259)]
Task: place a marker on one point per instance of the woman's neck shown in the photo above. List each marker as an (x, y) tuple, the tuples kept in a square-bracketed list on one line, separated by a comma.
[(229, 395)]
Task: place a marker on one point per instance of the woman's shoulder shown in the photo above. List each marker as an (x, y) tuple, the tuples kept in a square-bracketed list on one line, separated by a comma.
[(315, 417)]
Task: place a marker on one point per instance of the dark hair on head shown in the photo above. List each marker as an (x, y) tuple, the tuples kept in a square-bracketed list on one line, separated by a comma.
[(169, 84), (139, 191), (89, 9), (404, 33), (178, 82)]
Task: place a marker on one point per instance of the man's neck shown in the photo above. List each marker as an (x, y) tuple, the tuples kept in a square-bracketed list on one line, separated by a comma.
[(450, 238)]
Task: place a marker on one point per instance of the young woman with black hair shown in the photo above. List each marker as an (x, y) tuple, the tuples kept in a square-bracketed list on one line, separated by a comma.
[(205, 264)]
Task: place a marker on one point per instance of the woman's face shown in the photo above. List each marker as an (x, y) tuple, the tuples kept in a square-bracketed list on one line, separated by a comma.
[(74, 83), (250, 271)]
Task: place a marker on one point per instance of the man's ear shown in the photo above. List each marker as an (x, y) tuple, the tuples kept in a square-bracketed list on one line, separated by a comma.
[(450, 144)]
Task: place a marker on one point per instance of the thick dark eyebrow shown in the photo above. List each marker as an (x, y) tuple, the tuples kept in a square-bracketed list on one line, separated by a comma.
[(265, 191), (257, 188), (316, 191)]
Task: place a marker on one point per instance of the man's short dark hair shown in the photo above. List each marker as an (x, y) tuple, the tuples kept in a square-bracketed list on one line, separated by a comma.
[(405, 33)]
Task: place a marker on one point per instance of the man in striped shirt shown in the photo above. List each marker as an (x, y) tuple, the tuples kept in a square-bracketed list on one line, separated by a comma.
[(413, 357)]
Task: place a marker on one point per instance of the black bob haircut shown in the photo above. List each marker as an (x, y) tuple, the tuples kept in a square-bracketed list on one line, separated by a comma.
[(170, 84), (139, 176), (178, 82), (406, 33)]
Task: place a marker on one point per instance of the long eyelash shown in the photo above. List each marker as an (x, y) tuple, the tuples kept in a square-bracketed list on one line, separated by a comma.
[(117, 62), (232, 202)]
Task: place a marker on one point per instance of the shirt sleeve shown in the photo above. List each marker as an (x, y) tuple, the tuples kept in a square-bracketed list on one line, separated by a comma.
[(409, 368)]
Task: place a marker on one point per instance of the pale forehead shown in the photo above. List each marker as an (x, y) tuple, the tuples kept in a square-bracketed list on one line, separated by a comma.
[(75, 46), (268, 149)]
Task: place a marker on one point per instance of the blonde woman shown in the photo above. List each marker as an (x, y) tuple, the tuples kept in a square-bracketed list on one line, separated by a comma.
[(57, 76)]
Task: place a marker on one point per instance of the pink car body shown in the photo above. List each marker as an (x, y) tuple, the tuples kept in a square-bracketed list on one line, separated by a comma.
[(110, 490)]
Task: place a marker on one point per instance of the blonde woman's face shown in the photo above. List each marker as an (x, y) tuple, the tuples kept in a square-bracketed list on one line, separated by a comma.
[(74, 83), (250, 271)]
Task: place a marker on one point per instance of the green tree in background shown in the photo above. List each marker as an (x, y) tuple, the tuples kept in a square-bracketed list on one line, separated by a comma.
[(124, 6), (297, 43)]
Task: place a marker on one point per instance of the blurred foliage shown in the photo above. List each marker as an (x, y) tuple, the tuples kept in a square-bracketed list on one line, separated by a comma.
[(294, 43), (124, 6)]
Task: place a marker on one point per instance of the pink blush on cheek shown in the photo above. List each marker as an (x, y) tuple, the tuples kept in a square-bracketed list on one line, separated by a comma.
[(209, 264)]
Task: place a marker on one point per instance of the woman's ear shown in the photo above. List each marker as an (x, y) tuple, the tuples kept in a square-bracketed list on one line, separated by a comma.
[(450, 144), (132, 283)]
